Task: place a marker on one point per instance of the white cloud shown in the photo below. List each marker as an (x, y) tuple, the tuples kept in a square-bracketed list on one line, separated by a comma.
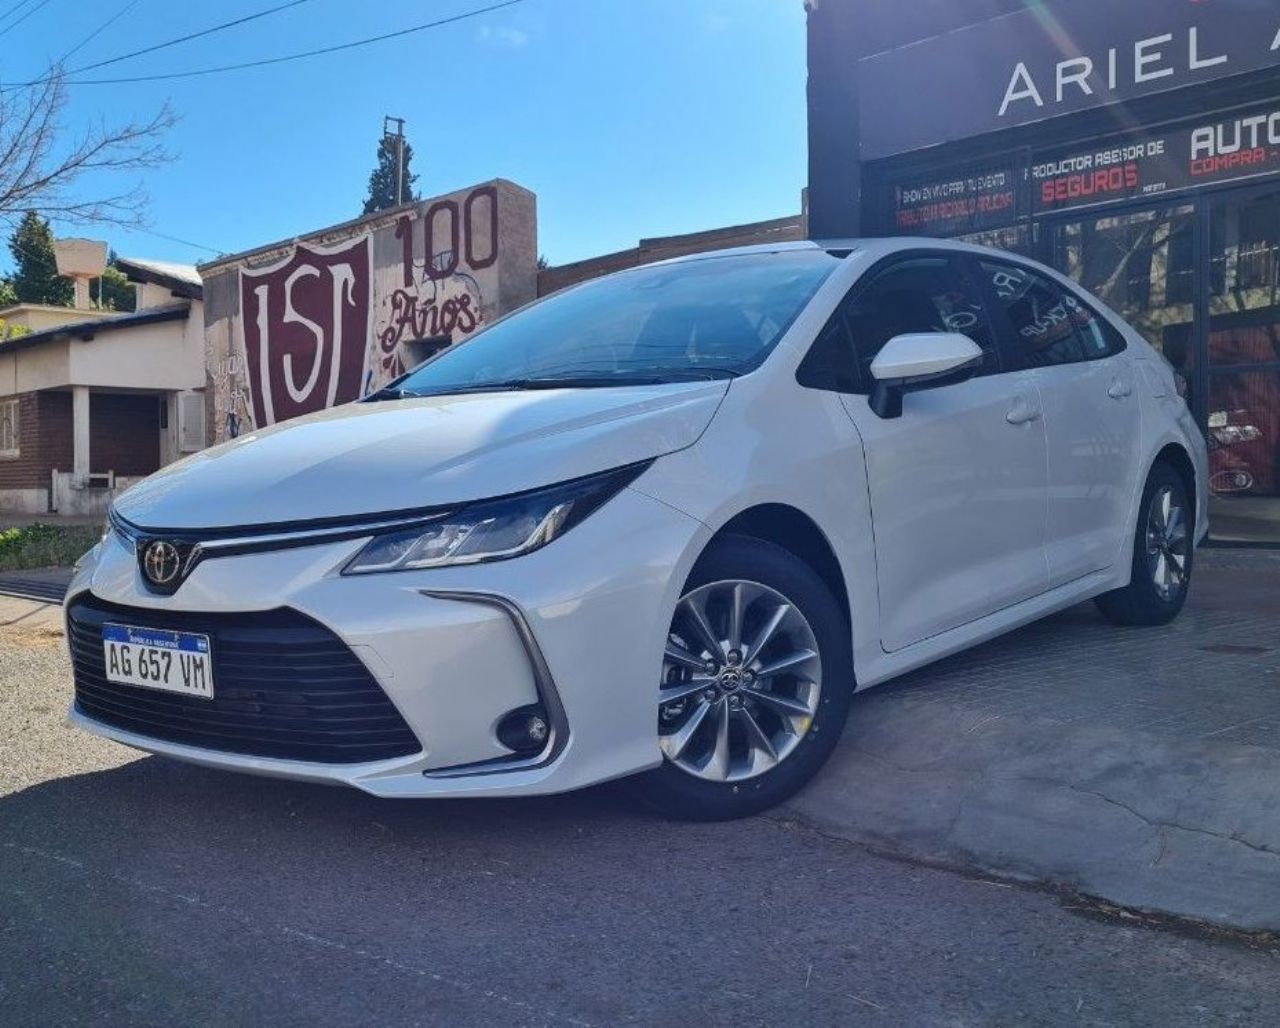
[(504, 37)]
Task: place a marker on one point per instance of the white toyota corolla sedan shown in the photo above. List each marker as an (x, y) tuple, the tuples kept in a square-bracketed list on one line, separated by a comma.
[(662, 524)]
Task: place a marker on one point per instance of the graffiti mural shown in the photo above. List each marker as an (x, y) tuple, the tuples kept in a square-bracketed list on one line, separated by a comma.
[(438, 299), (327, 319), (306, 321)]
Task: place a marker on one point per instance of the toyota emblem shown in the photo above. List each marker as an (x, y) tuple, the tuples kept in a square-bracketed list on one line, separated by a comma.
[(161, 562)]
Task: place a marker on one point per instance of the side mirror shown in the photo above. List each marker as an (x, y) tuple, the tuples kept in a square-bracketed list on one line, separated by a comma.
[(917, 361)]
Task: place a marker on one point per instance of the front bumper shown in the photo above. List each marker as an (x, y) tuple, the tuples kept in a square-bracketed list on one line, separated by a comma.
[(579, 626)]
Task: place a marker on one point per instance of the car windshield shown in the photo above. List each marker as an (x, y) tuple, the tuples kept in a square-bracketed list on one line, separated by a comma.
[(717, 317)]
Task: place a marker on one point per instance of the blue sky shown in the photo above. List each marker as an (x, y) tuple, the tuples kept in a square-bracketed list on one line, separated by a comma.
[(628, 118)]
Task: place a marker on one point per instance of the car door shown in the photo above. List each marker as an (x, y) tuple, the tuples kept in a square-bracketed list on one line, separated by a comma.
[(1091, 413), (957, 483)]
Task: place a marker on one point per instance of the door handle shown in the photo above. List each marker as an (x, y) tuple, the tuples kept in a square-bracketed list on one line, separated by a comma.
[(1021, 413), (1119, 390)]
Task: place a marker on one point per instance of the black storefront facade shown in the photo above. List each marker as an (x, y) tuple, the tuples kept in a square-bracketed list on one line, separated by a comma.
[(1133, 145)]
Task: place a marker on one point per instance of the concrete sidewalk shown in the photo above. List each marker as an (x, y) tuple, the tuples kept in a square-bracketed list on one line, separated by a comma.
[(1141, 766)]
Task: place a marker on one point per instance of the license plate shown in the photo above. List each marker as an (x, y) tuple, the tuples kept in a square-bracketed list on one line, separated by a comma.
[(155, 658)]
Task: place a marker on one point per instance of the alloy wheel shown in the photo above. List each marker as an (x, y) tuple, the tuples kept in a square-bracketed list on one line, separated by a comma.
[(1167, 543), (741, 681)]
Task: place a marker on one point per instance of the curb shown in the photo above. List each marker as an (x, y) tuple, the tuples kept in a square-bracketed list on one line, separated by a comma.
[(1186, 829)]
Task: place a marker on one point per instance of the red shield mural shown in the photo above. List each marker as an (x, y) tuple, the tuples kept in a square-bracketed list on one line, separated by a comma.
[(306, 330)]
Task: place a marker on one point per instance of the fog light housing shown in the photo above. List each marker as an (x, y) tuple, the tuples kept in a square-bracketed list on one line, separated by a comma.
[(525, 730)]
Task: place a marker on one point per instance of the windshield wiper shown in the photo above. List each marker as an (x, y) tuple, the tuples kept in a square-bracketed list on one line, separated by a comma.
[(391, 393)]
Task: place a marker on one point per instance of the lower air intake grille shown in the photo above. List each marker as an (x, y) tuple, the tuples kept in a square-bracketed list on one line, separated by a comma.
[(284, 686)]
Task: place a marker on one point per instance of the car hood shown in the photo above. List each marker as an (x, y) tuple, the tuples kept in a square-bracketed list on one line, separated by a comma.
[(366, 458)]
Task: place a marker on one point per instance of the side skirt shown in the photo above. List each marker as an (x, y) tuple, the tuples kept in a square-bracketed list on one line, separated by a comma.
[(885, 666)]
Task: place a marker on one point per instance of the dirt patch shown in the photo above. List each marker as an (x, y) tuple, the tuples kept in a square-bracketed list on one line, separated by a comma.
[(30, 623)]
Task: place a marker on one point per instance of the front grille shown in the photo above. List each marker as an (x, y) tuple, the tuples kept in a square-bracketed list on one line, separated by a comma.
[(284, 686)]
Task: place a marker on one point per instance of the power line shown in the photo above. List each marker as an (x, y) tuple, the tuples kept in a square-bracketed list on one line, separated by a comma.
[(14, 24), (96, 32), (161, 46), (21, 3), (175, 239), (190, 36), (299, 56)]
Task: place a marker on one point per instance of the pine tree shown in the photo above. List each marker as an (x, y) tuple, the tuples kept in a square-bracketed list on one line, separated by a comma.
[(35, 278), (382, 180)]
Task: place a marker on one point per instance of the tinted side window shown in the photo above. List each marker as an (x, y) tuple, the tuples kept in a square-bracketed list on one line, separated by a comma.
[(1100, 337), (1050, 325), (919, 294)]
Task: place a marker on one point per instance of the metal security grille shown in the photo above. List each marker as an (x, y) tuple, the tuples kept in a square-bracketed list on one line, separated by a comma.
[(285, 687)]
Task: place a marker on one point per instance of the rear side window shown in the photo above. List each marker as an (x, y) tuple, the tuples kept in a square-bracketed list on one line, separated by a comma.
[(918, 294), (1049, 324)]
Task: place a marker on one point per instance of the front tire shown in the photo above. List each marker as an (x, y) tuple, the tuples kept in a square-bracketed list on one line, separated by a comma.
[(1163, 553), (756, 684)]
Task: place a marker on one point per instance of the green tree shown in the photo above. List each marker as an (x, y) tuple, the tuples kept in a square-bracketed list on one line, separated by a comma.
[(7, 296), (114, 291), (382, 180), (35, 278)]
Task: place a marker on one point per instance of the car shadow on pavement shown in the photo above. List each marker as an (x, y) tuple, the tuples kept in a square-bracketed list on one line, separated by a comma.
[(154, 803)]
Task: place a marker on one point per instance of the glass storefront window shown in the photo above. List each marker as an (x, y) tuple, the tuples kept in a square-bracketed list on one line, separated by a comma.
[(1142, 265), (1017, 239), (1244, 456), (1244, 368)]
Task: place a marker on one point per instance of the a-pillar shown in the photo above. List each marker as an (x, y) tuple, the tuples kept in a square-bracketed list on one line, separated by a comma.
[(80, 435)]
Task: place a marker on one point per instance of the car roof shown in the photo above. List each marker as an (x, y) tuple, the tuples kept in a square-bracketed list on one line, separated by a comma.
[(873, 245)]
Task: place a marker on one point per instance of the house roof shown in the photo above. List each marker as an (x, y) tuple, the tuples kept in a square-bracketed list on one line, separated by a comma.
[(180, 279), (92, 328)]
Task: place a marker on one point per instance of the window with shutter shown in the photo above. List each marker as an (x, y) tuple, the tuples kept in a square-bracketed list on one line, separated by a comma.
[(191, 422)]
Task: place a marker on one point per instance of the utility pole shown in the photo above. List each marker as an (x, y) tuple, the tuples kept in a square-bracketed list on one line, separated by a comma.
[(398, 136)]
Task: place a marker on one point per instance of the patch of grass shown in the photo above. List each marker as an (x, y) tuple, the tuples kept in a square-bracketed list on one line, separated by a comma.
[(45, 546)]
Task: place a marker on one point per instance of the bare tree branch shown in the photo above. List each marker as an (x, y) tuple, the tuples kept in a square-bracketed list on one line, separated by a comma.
[(43, 169)]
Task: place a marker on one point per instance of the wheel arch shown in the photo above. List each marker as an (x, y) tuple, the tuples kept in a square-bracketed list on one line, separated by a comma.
[(796, 532), (1177, 457)]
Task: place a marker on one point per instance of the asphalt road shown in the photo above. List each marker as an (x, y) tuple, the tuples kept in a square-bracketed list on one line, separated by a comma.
[(134, 890)]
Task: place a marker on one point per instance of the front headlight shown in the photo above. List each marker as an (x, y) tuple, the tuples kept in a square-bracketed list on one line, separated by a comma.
[(493, 529)]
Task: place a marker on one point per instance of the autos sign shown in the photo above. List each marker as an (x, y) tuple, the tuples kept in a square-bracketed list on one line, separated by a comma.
[(1054, 58), (1246, 146)]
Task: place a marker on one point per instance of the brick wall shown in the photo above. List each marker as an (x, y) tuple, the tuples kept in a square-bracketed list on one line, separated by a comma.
[(124, 437), (28, 470)]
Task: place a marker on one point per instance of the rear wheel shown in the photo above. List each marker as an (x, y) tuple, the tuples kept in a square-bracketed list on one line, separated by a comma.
[(1163, 552), (756, 684)]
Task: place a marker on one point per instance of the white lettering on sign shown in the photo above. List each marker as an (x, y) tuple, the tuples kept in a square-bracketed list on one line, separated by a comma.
[(1144, 55), (1154, 58), (1231, 137), (1026, 91), (1198, 62), (1075, 72)]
